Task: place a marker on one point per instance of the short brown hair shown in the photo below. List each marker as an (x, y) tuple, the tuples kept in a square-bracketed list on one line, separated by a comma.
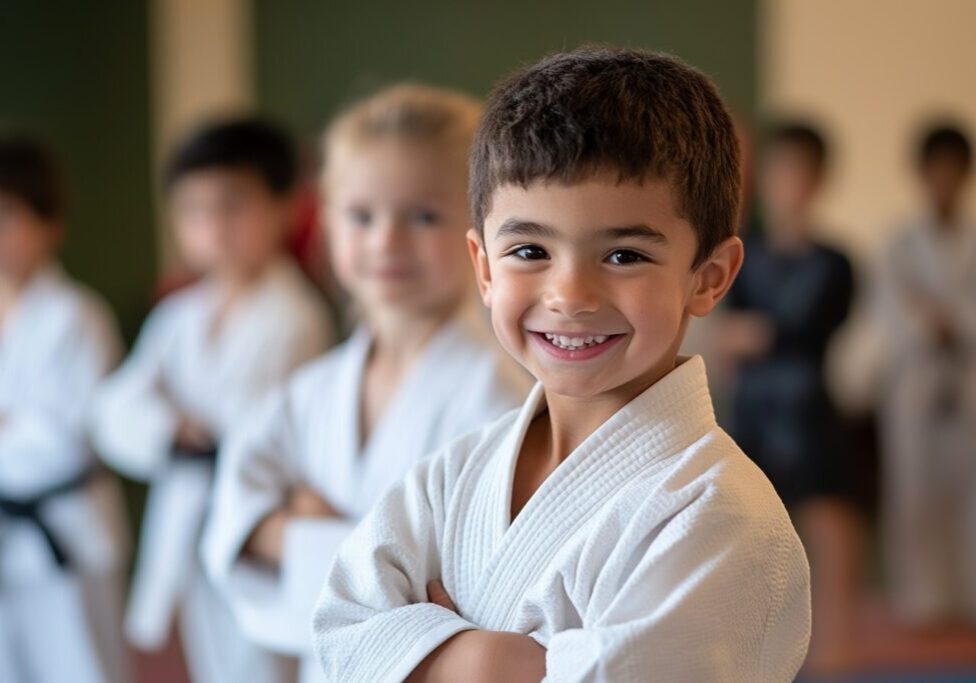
[(638, 113), (29, 173)]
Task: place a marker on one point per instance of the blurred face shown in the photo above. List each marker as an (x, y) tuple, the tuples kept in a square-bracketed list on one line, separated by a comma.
[(943, 180), (26, 239), (397, 215), (228, 221), (590, 284), (790, 181)]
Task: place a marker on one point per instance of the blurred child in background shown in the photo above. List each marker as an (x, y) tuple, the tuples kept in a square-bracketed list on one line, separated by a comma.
[(791, 296), (62, 533), (204, 357), (928, 404), (421, 369)]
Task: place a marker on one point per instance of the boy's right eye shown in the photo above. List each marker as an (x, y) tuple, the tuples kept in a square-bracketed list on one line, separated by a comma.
[(529, 252), (360, 217)]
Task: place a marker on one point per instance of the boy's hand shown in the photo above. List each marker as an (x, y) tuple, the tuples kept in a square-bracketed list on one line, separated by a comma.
[(483, 657), (268, 538), (192, 435), (480, 656), (305, 502), (266, 541), (437, 595)]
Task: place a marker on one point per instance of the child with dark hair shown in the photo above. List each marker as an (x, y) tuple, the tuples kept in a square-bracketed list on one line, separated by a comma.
[(205, 356), (62, 549), (928, 406), (608, 530), (793, 293)]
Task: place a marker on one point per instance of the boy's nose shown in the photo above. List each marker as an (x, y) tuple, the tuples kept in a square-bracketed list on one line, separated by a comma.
[(388, 234), (572, 293)]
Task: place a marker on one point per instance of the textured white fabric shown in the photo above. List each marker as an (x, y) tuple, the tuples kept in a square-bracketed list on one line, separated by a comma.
[(179, 366), (930, 471), (308, 432), (655, 551), (55, 346)]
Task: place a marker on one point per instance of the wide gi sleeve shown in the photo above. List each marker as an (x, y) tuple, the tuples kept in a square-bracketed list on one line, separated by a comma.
[(714, 595), (373, 622), (133, 424), (42, 440)]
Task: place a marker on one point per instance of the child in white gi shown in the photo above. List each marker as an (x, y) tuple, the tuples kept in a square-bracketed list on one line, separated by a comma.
[(205, 356), (609, 530), (62, 530)]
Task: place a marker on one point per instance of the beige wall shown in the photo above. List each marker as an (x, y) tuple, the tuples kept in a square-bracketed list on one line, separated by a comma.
[(202, 65), (872, 71)]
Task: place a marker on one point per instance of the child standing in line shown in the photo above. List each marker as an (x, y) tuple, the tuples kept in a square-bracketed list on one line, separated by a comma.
[(791, 297), (928, 409), (206, 355), (62, 529)]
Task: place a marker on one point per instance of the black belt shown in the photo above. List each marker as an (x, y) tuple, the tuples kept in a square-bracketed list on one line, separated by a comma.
[(200, 455), (30, 510)]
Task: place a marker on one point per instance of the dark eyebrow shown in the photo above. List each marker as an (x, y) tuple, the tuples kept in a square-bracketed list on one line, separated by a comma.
[(515, 227), (640, 231)]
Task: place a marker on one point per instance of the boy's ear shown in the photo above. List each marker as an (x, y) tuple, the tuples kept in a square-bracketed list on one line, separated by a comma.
[(482, 271), (714, 277)]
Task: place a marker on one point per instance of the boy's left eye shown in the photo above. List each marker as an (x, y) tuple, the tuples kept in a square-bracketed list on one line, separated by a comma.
[(624, 257), (425, 217)]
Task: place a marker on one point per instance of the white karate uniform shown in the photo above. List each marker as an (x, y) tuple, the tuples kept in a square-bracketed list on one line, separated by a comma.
[(655, 551), (55, 346), (929, 519), (309, 433), (179, 367)]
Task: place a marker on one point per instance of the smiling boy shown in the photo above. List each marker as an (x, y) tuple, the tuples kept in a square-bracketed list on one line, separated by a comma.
[(610, 530)]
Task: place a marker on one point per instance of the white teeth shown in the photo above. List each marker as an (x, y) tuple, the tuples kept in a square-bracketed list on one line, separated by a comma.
[(575, 343)]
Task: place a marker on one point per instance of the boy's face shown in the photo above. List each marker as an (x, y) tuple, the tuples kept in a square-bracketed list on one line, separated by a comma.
[(590, 284), (26, 239), (227, 220), (944, 177), (790, 181), (396, 217)]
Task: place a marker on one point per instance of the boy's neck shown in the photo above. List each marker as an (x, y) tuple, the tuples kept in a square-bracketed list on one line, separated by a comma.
[(13, 284), (233, 282), (571, 420), (398, 338), (566, 423), (789, 232)]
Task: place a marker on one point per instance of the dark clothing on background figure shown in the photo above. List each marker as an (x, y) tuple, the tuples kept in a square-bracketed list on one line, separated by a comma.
[(783, 416)]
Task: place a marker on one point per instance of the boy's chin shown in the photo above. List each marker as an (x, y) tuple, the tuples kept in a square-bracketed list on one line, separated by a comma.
[(573, 387)]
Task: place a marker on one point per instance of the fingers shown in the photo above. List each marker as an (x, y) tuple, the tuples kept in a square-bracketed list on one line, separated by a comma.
[(305, 502), (437, 595)]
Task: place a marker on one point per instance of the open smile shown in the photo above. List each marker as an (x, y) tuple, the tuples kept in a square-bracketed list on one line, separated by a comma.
[(575, 347)]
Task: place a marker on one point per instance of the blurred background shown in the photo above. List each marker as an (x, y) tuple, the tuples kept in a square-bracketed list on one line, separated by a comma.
[(111, 84)]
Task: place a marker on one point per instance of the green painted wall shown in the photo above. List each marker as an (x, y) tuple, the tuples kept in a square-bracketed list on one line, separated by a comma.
[(76, 73), (314, 55)]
